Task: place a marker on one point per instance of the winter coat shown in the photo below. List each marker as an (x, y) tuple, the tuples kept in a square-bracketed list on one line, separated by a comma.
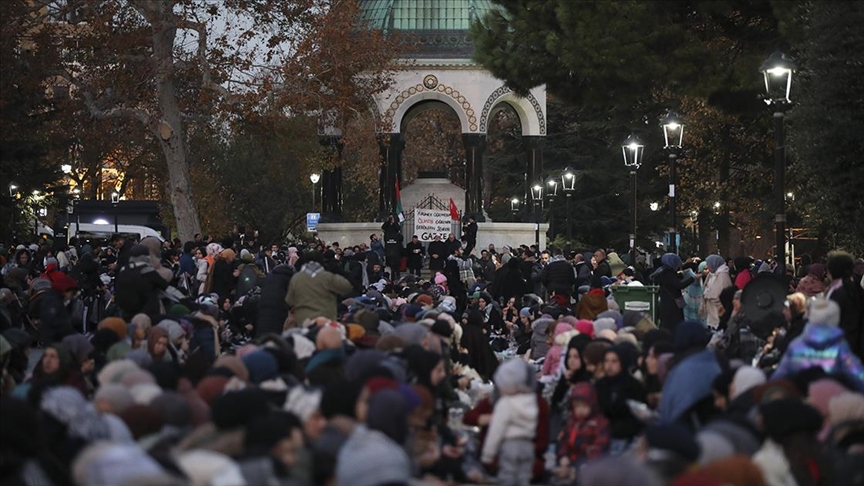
[(514, 417), (671, 287), (586, 438), (559, 276), (313, 292), (138, 289), (272, 309), (437, 248), (563, 333), (539, 342), (415, 252), (377, 247), (810, 286), (850, 298), (508, 282), (201, 274), (714, 285), (825, 346), (612, 395)]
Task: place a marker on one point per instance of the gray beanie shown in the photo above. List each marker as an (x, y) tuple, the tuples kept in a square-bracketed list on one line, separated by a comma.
[(823, 311)]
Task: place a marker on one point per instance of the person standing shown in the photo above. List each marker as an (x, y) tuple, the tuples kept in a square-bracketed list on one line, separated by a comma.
[(671, 287), (415, 252), (393, 245), (437, 254), (716, 280), (601, 265), (469, 234)]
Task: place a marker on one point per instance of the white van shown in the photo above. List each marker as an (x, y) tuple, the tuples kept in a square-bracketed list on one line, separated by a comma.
[(104, 231)]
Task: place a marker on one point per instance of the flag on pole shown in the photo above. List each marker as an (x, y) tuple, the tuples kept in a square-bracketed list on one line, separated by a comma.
[(454, 213), (400, 214)]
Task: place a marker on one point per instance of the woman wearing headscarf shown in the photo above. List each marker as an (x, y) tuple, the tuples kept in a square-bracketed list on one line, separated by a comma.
[(613, 392), (222, 276), (671, 285), (476, 343), (813, 283), (693, 294), (717, 280), (57, 368)]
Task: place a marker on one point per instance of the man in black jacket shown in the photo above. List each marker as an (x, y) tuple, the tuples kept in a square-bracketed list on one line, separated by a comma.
[(415, 251), (437, 255), (601, 266), (559, 276), (469, 234)]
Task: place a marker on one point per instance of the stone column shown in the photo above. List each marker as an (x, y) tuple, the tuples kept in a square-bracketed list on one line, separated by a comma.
[(475, 146), (390, 146)]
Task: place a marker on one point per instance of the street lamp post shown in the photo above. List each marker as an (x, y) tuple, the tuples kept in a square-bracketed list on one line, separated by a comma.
[(777, 71), (115, 199), (633, 149), (13, 190), (673, 133), (551, 192), (537, 200), (568, 183), (314, 177)]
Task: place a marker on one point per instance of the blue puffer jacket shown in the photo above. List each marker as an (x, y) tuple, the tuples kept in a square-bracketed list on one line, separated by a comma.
[(825, 346)]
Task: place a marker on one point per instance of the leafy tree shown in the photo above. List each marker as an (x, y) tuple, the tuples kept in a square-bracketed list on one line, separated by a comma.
[(826, 124), (171, 64)]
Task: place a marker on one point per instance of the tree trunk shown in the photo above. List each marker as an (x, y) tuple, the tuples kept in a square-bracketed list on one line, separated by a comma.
[(172, 137)]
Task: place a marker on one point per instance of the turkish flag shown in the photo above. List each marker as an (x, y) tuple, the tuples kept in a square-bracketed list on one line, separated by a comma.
[(454, 213)]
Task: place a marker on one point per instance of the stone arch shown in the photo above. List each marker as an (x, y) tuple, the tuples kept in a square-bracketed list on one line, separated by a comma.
[(530, 112), (415, 94)]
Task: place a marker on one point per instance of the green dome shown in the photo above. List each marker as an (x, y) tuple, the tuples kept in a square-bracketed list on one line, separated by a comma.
[(438, 28)]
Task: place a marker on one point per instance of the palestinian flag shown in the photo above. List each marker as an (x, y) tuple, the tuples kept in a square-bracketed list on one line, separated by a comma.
[(400, 214)]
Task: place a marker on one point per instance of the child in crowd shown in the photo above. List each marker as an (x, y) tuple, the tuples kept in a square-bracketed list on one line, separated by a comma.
[(513, 424), (586, 434)]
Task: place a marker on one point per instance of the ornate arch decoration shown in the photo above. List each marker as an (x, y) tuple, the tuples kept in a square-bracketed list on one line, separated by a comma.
[(503, 91), (431, 89)]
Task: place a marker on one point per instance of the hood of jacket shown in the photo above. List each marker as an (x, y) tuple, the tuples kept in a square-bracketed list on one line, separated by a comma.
[(540, 325), (584, 392), (822, 336)]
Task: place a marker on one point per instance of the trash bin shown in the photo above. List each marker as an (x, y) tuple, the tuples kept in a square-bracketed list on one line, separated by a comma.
[(639, 299)]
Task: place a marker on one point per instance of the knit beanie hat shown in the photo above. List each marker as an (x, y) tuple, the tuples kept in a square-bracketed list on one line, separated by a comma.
[(234, 364), (115, 396), (440, 278), (339, 398), (238, 408), (604, 323), (211, 387), (787, 416), (746, 377), (174, 409), (615, 315), (370, 458), (585, 327), (262, 366), (513, 376), (823, 311)]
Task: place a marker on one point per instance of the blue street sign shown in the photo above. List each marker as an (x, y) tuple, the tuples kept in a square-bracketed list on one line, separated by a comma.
[(312, 222)]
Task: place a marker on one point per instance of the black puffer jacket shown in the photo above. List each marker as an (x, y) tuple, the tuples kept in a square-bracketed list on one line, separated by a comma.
[(559, 277), (272, 309)]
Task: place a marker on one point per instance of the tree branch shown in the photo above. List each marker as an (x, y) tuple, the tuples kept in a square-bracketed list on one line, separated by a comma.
[(117, 112), (206, 71)]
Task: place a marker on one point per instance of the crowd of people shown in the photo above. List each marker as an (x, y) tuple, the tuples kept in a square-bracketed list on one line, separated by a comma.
[(390, 363)]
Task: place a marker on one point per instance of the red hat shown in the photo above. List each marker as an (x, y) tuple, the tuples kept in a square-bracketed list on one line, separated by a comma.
[(61, 282)]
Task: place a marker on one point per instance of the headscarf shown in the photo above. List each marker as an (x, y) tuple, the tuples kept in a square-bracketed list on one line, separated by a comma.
[(388, 413), (228, 255), (714, 262), (817, 270), (671, 261), (68, 406), (156, 333), (421, 363)]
